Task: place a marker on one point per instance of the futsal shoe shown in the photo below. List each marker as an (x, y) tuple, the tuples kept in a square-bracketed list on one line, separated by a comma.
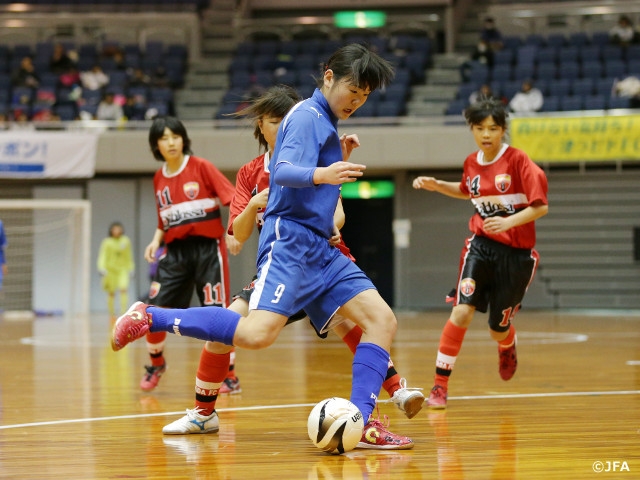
[(508, 361), (133, 324), (230, 386), (437, 398), (193, 422), (152, 377), (409, 400), (376, 436)]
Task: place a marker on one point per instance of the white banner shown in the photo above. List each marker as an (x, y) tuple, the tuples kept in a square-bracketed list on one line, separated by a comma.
[(36, 154)]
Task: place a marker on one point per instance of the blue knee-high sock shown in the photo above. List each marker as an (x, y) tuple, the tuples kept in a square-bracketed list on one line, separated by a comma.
[(215, 324), (370, 365)]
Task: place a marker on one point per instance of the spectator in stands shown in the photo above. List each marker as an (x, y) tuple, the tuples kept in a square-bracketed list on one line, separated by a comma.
[(482, 54), (60, 62), (160, 78), (4, 121), (484, 93), (94, 79), (25, 75), (623, 33), (139, 79), (108, 109), (21, 121), (134, 108), (628, 87), (528, 99), (491, 35)]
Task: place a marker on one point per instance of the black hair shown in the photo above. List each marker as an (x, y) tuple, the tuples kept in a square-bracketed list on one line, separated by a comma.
[(115, 224), (484, 108), (275, 102), (360, 65), (157, 131)]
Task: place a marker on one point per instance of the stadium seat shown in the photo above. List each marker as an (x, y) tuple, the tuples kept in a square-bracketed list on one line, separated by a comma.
[(595, 102), (551, 104), (582, 86), (570, 104)]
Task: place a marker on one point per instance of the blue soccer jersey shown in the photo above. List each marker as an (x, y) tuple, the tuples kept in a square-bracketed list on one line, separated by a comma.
[(307, 138)]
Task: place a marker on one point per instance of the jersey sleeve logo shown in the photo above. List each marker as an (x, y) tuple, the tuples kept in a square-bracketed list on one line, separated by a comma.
[(315, 110), (191, 189), (502, 182)]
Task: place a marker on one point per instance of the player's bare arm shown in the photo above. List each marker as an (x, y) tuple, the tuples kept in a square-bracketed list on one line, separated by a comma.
[(502, 224), (244, 223), (450, 189), (150, 250), (348, 143), (338, 173)]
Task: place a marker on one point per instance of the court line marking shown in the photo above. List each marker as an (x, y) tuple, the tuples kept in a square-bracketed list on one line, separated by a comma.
[(300, 405)]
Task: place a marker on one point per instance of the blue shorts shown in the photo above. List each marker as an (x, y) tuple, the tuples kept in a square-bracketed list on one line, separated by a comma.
[(299, 270)]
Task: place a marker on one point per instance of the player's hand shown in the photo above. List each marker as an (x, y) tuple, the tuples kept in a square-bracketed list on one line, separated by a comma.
[(150, 252), (338, 173), (260, 199), (234, 246), (425, 183), (348, 143), (495, 225), (335, 237)]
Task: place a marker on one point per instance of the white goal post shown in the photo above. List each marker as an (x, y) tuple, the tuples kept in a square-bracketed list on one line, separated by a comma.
[(48, 256)]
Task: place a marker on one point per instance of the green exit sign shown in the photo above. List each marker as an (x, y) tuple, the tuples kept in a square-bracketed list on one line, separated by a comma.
[(368, 189), (359, 19)]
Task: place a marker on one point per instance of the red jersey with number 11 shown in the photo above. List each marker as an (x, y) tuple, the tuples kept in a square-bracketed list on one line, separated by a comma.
[(189, 200)]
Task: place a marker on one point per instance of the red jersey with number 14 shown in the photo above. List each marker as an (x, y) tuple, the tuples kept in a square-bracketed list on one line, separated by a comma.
[(189, 200), (503, 187)]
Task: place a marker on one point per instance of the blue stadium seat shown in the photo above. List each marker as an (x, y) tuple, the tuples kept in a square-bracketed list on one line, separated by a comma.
[(390, 108), (578, 39), (570, 104), (633, 67), (456, 107), (582, 86), (546, 71), (511, 42), (600, 38), (523, 71), (501, 73), (466, 89), (551, 104), (569, 70), (91, 97), (567, 54), (556, 40), (604, 86), (509, 89), (592, 69), (618, 102), (548, 54), (590, 53), (66, 111), (369, 109), (396, 92), (559, 87), (535, 39), (612, 52), (615, 68), (595, 102), (503, 57), (526, 55)]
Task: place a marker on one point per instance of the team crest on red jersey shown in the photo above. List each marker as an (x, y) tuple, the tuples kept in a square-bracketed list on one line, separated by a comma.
[(503, 182), (467, 286), (191, 189), (154, 289)]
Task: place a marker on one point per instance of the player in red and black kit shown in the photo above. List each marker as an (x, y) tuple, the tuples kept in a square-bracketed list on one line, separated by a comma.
[(189, 194), (498, 262), (245, 214)]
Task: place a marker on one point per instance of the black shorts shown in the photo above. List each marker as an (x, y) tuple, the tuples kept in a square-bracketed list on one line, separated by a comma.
[(246, 292), (196, 262), (497, 276)]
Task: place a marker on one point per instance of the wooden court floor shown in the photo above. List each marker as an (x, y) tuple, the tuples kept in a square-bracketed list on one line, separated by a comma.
[(70, 408)]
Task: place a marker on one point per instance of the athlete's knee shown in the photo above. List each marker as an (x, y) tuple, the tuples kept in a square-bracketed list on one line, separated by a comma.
[(461, 315), (257, 340)]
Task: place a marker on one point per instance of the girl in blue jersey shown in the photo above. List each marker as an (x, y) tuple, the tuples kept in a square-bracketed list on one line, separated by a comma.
[(297, 267)]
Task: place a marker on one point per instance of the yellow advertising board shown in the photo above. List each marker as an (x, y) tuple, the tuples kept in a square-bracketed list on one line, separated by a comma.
[(578, 139)]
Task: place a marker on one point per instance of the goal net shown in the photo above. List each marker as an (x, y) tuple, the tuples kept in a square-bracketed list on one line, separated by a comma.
[(47, 255)]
